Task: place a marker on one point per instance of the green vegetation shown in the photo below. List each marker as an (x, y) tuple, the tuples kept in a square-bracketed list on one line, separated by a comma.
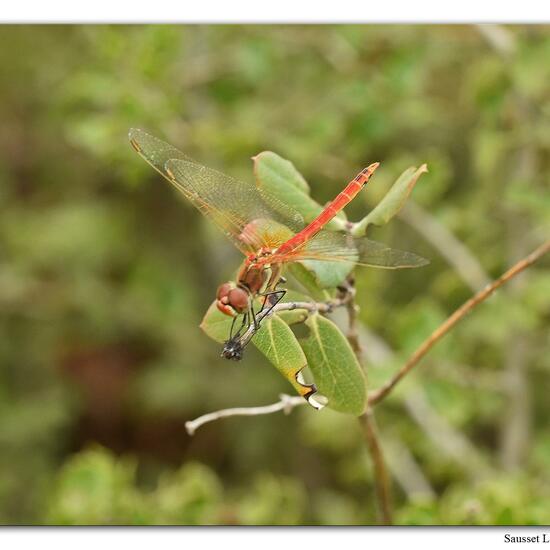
[(105, 274)]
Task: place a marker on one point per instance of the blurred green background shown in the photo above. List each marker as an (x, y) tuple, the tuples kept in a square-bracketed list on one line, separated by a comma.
[(105, 273)]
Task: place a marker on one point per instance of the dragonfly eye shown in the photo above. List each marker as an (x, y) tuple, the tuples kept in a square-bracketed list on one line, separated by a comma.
[(224, 290), (238, 299), (222, 299), (231, 299)]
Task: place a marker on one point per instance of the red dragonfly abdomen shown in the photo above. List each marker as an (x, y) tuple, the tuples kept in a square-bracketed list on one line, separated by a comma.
[(340, 202)]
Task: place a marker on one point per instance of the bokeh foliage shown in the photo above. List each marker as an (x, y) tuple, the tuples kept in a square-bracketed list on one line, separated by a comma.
[(105, 274)]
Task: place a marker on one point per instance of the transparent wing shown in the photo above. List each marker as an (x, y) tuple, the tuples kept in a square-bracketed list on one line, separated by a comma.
[(239, 209), (330, 246), (155, 151), (250, 218)]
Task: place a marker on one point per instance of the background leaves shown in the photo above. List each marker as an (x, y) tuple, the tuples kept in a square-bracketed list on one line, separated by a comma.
[(105, 274)]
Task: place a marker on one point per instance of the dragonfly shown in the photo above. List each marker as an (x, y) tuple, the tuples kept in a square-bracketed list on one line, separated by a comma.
[(270, 234)]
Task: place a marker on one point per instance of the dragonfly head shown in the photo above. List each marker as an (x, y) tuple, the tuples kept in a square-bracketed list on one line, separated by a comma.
[(232, 299)]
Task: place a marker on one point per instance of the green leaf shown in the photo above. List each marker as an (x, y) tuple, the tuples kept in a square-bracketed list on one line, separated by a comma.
[(335, 368), (294, 316), (328, 274), (393, 201), (280, 178), (216, 324), (274, 339), (278, 343), (317, 276), (308, 280), (272, 170)]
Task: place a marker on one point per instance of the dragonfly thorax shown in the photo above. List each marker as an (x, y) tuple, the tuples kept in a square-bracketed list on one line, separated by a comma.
[(263, 253), (255, 278)]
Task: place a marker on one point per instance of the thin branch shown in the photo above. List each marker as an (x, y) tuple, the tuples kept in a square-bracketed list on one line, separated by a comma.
[(381, 478), (286, 404), (312, 307), (346, 295), (353, 332), (366, 420), (451, 321)]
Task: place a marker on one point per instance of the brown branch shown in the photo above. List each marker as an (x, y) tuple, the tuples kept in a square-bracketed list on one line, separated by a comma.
[(286, 403), (353, 310), (366, 420), (381, 478), (451, 321)]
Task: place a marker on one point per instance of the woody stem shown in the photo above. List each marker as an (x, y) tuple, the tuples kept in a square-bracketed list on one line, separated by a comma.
[(367, 422)]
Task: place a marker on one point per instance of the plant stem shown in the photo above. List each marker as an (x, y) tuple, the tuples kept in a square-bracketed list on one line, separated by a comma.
[(353, 332), (451, 321), (286, 404), (382, 481), (366, 420)]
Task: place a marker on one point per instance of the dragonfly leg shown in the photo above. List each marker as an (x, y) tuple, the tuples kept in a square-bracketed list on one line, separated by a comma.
[(274, 297), (244, 324), (254, 319), (233, 348), (232, 327)]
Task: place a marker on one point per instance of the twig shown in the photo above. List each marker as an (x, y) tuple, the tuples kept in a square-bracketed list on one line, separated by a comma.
[(321, 307), (381, 479), (451, 321), (286, 404), (366, 420), (312, 307), (353, 332)]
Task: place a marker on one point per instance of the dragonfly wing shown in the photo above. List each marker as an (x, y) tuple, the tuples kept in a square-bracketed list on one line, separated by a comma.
[(236, 207), (373, 253), (249, 218), (329, 246), (155, 151)]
